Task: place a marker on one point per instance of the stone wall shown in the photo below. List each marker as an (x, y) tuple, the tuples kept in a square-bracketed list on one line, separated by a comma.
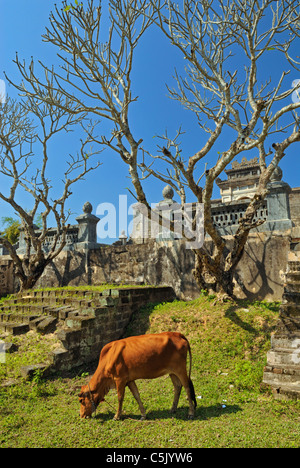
[(294, 200), (86, 332), (259, 276)]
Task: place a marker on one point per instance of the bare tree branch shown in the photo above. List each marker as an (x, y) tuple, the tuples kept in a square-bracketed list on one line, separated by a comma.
[(95, 79), (23, 126)]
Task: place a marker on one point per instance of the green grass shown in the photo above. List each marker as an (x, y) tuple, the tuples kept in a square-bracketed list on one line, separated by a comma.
[(67, 289), (101, 287), (32, 349), (229, 345)]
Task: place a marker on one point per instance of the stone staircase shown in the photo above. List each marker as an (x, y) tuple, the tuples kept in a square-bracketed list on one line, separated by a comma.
[(83, 321), (42, 310), (282, 371)]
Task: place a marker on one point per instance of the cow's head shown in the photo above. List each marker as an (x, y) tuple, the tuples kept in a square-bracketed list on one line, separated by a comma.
[(87, 402)]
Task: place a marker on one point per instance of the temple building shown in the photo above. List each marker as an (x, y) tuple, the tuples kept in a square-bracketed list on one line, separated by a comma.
[(280, 210), (242, 181), (238, 190)]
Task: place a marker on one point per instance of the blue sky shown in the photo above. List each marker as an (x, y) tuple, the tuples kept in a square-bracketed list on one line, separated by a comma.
[(23, 23)]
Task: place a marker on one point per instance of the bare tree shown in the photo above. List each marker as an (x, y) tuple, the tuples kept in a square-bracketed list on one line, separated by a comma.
[(95, 72), (24, 127), (95, 76), (225, 95)]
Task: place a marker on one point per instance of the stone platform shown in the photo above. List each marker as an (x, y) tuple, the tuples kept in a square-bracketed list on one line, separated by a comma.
[(83, 320)]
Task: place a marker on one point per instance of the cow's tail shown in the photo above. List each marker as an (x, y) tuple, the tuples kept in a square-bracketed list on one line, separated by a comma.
[(191, 386)]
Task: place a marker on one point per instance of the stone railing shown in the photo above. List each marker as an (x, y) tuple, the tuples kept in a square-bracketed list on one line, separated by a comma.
[(229, 214), (79, 236), (275, 211), (71, 238)]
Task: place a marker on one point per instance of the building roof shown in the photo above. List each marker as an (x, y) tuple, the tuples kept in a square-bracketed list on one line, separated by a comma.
[(244, 164), (242, 174)]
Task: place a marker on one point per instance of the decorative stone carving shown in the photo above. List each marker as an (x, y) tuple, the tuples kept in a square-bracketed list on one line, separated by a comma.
[(87, 232), (87, 208), (168, 193), (277, 174)]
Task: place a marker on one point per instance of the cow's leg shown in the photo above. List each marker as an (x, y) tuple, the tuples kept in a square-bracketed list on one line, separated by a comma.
[(188, 386), (121, 392), (135, 392), (177, 391)]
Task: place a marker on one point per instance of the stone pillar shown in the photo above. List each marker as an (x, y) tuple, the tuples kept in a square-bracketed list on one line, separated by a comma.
[(166, 209), (279, 217), (123, 238), (87, 233), (282, 371), (22, 242)]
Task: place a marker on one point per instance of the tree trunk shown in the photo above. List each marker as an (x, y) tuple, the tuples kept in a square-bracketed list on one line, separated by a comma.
[(211, 275), (30, 272)]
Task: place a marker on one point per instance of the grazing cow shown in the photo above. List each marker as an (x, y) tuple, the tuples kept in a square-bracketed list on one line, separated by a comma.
[(139, 357)]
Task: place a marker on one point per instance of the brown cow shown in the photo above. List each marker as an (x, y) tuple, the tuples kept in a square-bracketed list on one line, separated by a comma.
[(139, 357)]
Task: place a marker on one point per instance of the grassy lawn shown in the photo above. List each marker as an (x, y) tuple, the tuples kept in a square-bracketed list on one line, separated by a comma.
[(229, 345)]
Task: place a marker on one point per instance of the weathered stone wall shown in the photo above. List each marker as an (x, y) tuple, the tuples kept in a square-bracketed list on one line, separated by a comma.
[(294, 199), (260, 274), (86, 332)]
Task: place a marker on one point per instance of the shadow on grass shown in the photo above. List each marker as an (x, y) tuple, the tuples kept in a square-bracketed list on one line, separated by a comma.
[(233, 316), (202, 413)]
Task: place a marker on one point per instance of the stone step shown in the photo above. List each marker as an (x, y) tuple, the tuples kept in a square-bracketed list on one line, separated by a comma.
[(287, 392), (17, 318), (281, 374), (78, 302), (13, 328), (287, 325), (63, 302), (293, 266), (37, 301), (39, 294), (284, 357), (78, 322), (291, 298), (284, 382), (293, 276), (286, 342), (44, 324), (61, 312), (292, 287), (23, 309), (290, 309)]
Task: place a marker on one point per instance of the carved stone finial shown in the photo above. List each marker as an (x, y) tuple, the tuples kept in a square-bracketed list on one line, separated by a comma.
[(87, 208), (168, 192), (277, 175)]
